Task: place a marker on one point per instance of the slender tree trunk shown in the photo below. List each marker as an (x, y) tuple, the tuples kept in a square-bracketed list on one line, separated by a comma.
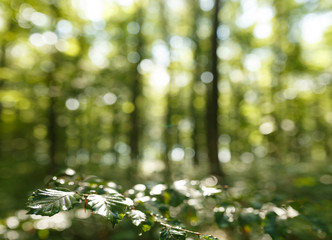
[(167, 139), (168, 123), (51, 128), (193, 110), (51, 114), (279, 141), (328, 140), (212, 103), (136, 93), (2, 64), (115, 133), (52, 123), (194, 133), (134, 133)]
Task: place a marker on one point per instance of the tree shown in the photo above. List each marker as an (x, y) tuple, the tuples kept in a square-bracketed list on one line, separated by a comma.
[(136, 121), (212, 105)]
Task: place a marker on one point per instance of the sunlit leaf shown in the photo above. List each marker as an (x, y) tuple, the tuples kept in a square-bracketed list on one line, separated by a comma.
[(137, 217), (209, 191), (112, 206), (49, 201), (141, 220)]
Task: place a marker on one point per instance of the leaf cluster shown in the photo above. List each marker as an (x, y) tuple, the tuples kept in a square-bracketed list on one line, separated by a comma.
[(145, 205)]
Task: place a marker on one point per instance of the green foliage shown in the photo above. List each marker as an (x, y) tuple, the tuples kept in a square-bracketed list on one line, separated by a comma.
[(50, 201), (143, 207)]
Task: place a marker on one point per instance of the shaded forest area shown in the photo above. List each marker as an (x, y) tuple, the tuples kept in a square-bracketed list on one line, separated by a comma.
[(153, 91)]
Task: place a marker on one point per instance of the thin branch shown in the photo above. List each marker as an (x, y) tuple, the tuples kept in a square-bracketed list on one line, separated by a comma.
[(163, 223)]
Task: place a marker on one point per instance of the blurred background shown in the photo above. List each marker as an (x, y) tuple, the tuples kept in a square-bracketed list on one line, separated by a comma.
[(123, 89)]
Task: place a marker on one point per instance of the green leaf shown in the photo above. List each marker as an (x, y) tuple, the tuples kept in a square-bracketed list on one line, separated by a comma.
[(145, 227), (141, 220), (49, 201), (137, 217), (172, 234), (209, 237), (112, 206)]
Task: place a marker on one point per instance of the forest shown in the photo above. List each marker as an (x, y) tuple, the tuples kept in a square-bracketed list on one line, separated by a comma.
[(172, 119)]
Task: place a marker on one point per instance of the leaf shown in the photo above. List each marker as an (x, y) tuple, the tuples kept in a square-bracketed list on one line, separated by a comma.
[(145, 227), (209, 237), (137, 217), (210, 191), (172, 234), (112, 206), (141, 220), (49, 201)]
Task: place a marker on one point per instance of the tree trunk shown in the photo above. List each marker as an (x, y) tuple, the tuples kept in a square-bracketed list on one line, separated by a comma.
[(136, 93), (2, 64), (51, 127), (52, 139), (134, 133), (169, 110), (193, 110), (212, 104)]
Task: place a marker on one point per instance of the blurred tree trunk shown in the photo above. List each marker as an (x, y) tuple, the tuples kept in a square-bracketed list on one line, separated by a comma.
[(2, 80), (169, 110), (196, 78), (134, 133), (212, 103), (328, 139), (167, 136), (277, 69), (115, 133), (279, 144), (52, 115), (51, 127), (136, 94)]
